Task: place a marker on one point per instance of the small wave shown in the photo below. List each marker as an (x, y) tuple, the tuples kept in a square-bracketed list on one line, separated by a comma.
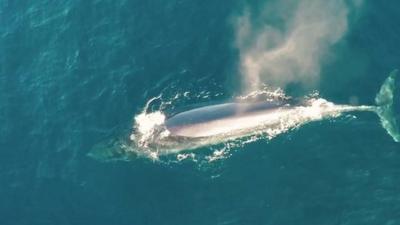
[(265, 94)]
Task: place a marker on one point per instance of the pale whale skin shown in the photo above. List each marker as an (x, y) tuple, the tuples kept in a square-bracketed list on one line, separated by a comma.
[(223, 118)]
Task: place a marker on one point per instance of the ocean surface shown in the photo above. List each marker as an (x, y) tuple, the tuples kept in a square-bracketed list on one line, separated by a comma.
[(74, 74)]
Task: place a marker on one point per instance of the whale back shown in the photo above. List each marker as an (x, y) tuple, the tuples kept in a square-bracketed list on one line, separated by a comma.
[(218, 112)]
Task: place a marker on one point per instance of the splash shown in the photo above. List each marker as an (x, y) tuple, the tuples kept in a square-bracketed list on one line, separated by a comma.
[(146, 125), (293, 39), (265, 93)]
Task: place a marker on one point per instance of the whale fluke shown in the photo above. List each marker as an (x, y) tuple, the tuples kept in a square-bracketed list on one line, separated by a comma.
[(385, 110)]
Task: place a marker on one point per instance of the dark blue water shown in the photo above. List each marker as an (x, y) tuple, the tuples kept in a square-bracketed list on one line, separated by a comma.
[(73, 73)]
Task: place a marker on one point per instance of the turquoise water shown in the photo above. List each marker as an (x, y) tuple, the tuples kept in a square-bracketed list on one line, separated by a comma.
[(75, 73)]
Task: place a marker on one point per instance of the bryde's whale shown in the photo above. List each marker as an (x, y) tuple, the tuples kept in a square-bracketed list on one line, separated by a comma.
[(217, 123)]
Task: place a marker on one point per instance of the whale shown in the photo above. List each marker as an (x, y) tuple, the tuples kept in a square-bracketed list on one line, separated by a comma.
[(159, 134)]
